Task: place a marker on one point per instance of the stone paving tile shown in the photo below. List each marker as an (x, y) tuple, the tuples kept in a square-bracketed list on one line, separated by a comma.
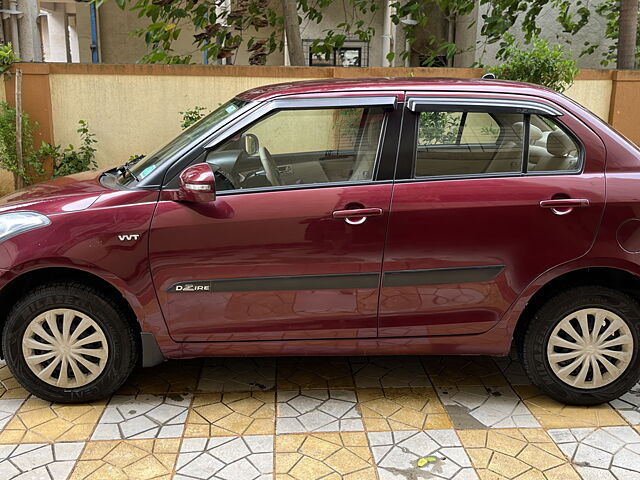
[(9, 386), (237, 375), (8, 408), (231, 413), (463, 370), (512, 369), (143, 416), (485, 407), (324, 455), (40, 421), (607, 453), (317, 411), (314, 372), (516, 453), (38, 461), (402, 409), (226, 458), (173, 376), (628, 405), (127, 459), (552, 414), (388, 372), (397, 454)]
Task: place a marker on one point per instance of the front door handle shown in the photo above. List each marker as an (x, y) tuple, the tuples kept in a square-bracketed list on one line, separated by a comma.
[(562, 206), (357, 216)]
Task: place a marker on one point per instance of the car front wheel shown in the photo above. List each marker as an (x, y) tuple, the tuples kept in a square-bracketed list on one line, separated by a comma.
[(67, 342), (581, 347)]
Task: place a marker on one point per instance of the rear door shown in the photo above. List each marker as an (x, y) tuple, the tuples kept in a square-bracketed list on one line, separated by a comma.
[(289, 261), (472, 223)]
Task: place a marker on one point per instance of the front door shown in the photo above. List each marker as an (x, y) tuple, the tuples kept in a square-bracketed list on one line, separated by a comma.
[(279, 254), (486, 200)]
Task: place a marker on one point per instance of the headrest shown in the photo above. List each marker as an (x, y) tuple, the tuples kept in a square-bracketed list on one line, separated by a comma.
[(535, 133), (559, 144)]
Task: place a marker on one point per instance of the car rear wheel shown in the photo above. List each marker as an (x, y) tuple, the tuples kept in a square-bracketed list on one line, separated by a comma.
[(69, 343), (581, 347)]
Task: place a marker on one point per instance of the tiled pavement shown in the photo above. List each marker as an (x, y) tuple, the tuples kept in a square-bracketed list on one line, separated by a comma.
[(405, 418)]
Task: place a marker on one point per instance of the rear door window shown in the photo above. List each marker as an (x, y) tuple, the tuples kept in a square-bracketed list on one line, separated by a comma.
[(468, 143)]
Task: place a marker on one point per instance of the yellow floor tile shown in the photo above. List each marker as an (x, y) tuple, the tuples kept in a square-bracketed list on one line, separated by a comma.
[(552, 414), (232, 413), (401, 409), (127, 459), (314, 373), (324, 455), (516, 453), (174, 376), (9, 386), (447, 371), (40, 421)]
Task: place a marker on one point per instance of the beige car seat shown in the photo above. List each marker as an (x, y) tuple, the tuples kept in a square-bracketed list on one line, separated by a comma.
[(509, 154), (561, 153)]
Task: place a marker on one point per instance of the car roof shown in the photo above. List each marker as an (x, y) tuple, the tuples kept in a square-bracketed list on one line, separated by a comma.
[(393, 84)]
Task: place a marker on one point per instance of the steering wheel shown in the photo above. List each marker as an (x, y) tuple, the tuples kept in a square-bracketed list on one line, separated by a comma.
[(269, 167)]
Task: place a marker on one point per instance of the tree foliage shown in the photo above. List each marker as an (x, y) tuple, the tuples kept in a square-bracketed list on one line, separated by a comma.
[(221, 29)]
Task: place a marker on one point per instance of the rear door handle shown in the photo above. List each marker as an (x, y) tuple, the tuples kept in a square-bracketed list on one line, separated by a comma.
[(565, 203), (356, 216), (562, 206)]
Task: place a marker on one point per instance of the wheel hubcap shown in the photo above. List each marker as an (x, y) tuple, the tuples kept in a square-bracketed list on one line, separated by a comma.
[(65, 348), (590, 348)]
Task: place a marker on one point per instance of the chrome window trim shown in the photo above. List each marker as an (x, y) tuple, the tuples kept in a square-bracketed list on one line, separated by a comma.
[(267, 107), (471, 104)]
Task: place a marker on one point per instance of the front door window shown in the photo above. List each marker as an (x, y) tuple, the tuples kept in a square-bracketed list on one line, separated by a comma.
[(301, 147)]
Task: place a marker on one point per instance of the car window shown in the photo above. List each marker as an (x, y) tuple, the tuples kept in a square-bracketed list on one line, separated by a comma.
[(551, 148), (468, 143), (301, 147)]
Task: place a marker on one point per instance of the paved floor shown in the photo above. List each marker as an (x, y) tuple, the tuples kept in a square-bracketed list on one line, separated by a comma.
[(408, 418)]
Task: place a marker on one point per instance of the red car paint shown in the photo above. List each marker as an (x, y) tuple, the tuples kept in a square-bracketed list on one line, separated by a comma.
[(458, 223)]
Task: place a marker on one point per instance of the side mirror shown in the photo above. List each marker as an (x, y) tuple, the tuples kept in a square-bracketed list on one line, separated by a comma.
[(197, 184), (250, 143)]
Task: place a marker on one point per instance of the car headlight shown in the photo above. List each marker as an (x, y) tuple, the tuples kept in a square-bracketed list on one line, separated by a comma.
[(14, 223)]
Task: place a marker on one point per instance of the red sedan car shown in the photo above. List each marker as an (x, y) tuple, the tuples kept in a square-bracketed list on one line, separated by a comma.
[(350, 217)]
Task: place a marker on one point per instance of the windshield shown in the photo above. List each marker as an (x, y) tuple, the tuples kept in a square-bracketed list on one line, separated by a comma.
[(147, 164)]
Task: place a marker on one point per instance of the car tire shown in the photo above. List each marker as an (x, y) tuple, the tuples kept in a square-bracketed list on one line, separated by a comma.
[(84, 332), (552, 364)]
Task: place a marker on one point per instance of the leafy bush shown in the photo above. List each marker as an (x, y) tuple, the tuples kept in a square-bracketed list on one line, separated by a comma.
[(8, 157), (192, 116), (7, 57), (541, 64), (70, 160)]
